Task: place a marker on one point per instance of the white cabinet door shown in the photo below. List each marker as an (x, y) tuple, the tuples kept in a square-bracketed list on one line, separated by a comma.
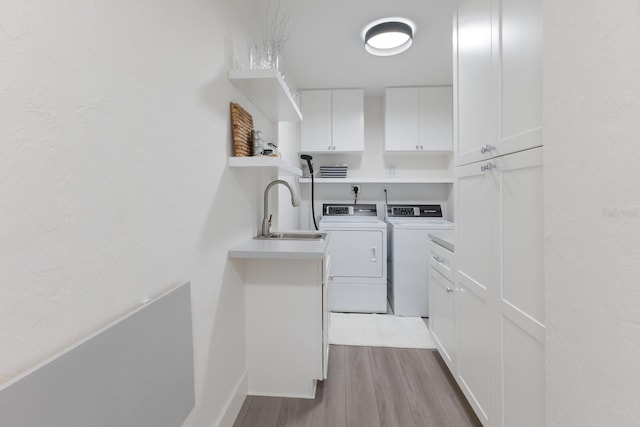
[(520, 75), (498, 78), (442, 318), (500, 306), (521, 301), (477, 109), (356, 253), (476, 360), (315, 129), (284, 357), (418, 119), (476, 280), (347, 118), (333, 120), (436, 118), (402, 119), (325, 316)]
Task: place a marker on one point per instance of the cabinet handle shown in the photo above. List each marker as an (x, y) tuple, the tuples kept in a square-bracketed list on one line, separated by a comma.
[(373, 255), (450, 289), (487, 149), (487, 167), (329, 148), (421, 147), (417, 147), (333, 147)]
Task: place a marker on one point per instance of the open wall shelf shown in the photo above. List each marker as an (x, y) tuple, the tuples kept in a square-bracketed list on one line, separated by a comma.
[(258, 162), (268, 92), (379, 180)]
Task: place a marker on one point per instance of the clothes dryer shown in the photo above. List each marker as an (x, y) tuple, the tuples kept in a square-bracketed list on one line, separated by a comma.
[(358, 251)]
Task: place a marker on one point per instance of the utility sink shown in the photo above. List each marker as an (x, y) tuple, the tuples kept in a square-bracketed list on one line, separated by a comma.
[(293, 235)]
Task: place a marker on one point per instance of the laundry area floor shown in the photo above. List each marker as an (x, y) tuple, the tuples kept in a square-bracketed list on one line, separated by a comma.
[(379, 330), (369, 387)]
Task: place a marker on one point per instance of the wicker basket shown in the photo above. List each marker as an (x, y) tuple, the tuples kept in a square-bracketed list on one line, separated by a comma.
[(242, 125)]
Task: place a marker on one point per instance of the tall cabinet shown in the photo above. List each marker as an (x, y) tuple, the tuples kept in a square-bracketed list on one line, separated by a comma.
[(499, 287)]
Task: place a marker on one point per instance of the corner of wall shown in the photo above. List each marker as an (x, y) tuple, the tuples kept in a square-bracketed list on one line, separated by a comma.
[(235, 402)]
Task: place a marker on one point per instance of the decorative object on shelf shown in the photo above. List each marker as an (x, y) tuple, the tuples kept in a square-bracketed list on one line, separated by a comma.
[(242, 127), (259, 144), (266, 55), (271, 150), (338, 171)]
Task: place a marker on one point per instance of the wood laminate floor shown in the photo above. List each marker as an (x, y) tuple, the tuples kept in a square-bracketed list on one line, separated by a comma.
[(370, 387)]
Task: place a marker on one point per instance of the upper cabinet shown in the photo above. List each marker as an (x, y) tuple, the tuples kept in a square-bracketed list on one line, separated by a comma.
[(418, 119), (497, 78), (333, 120)]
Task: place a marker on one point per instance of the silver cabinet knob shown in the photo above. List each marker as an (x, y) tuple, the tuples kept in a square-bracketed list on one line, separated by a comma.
[(450, 289), (421, 147), (487, 167), (417, 147), (487, 149)]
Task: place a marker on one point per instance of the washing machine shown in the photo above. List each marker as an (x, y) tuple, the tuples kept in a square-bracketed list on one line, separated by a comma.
[(358, 250), (408, 256)]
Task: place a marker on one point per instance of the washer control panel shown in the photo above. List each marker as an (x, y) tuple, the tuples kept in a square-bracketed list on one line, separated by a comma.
[(414, 211)]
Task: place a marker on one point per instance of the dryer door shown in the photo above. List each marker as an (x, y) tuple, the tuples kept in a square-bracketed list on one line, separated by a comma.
[(356, 253)]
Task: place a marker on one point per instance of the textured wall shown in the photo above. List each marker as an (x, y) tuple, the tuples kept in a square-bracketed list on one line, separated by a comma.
[(592, 212), (114, 139)]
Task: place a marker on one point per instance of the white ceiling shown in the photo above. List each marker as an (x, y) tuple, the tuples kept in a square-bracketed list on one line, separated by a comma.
[(325, 48)]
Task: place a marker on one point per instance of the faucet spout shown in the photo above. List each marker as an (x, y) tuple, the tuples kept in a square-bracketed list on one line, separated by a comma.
[(266, 219)]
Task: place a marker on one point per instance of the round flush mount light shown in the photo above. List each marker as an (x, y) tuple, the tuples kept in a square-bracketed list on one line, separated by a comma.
[(388, 36)]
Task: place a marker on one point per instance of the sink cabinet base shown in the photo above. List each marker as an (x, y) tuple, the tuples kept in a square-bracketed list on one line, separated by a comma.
[(285, 312)]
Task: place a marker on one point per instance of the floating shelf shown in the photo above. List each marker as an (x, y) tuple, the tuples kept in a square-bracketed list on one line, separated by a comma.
[(268, 92), (379, 180), (264, 162)]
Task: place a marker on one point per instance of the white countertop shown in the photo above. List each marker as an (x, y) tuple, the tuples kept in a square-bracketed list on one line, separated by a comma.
[(445, 238), (281, 249)]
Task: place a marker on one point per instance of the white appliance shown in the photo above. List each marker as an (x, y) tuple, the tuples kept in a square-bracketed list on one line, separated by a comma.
[(408, 256), (358, 250)]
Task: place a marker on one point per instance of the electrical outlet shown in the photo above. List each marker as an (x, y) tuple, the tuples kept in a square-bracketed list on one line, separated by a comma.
[(391, 169), (355, 189)]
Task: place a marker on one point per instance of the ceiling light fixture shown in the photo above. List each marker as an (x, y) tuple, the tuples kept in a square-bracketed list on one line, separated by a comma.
[(388, 36)]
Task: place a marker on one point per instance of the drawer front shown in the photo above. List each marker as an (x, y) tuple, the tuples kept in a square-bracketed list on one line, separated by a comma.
[(442, 260)]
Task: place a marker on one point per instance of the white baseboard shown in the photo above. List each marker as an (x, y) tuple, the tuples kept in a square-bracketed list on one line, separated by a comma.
[(234, 404)]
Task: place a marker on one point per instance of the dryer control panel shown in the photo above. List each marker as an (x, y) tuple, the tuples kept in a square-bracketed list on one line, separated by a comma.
[(359, 210)]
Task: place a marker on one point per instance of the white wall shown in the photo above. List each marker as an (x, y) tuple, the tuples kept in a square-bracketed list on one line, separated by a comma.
[(114, 143), (288, 217), (592, 212)]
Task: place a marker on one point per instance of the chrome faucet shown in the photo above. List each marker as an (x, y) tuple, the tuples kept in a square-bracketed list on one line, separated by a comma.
[(266, 220)]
